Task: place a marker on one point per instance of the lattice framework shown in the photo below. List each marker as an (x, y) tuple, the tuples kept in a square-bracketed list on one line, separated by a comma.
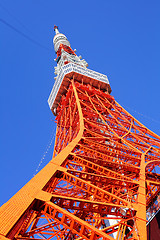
[(104, 169)]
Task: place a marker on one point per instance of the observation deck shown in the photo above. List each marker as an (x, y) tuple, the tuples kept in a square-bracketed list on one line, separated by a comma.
[(80, 74)]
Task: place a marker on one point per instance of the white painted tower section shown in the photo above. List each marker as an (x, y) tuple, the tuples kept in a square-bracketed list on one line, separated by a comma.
[(68, 63)]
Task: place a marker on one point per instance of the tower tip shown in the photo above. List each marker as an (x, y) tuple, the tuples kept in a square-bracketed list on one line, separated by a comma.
[(56, 29)]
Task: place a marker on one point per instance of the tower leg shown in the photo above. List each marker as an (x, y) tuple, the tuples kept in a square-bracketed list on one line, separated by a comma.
[(141, 212)]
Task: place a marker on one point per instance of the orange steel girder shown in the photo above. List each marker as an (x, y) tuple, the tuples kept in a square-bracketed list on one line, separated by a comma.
[(104, 170)]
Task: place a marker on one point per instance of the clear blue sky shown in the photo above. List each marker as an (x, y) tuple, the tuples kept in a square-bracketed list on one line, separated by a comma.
[(118, 38)]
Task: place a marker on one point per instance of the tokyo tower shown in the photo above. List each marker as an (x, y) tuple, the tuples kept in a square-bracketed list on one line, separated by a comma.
[(103, 181)]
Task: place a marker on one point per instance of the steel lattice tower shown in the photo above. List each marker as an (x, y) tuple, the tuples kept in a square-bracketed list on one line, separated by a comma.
[(103, 178)]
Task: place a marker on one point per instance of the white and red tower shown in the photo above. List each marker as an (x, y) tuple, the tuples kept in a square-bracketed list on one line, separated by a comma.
[(103, 178)]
